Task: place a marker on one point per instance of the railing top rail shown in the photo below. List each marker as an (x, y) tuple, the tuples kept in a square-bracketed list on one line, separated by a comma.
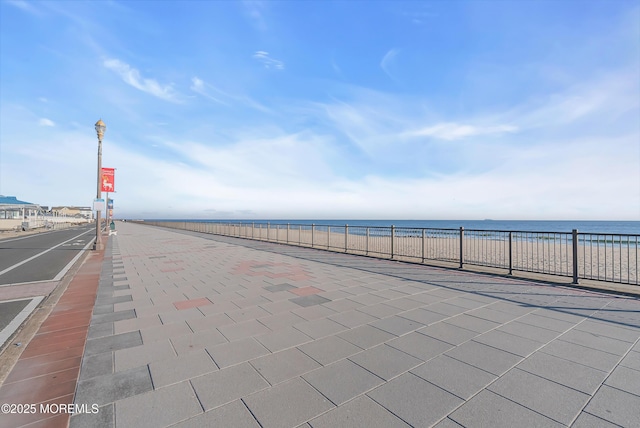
[(519, 231), (631, 235)]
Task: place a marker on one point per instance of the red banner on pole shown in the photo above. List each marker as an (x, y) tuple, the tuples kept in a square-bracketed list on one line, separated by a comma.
[(108, 180)]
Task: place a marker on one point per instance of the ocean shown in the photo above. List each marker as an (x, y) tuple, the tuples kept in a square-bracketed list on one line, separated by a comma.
[(604, 227)]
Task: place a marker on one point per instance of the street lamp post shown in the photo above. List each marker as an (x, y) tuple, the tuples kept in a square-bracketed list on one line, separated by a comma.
[(100, 128)]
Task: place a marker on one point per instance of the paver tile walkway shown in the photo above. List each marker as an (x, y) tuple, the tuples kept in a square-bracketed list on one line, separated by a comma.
[(190, 329)]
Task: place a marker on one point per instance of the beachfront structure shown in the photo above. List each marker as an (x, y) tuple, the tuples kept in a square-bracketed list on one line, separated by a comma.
[(16, 214), (73, 212), (20, 215)]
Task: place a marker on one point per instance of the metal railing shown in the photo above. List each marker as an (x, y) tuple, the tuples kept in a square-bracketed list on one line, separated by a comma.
[(594, 256)]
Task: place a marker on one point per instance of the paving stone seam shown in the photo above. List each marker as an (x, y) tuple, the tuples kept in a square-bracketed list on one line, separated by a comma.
[(361, 393), (194, 393), (559, 337), (335, 406), (218, 406), (255, 418), (550, 380), (212, 359), (480, 368), (406, 421), (486, 387), (604, 421), (508, 399), (608, 376)]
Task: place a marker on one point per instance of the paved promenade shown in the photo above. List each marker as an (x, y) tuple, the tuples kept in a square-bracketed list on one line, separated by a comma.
[(193, 330)]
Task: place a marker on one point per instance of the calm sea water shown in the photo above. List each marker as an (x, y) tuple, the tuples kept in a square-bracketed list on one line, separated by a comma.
[(615, 227)]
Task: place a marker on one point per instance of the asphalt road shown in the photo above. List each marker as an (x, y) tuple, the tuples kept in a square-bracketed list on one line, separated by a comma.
[(42, 256)]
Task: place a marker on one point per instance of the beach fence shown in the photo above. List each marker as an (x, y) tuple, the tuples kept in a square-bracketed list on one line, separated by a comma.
[(594, 256)]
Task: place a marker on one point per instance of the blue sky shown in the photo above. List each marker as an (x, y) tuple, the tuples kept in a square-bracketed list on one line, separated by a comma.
[(325, 109)]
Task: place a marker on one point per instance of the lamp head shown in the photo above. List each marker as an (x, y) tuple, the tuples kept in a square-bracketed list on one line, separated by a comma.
[(100, 128)]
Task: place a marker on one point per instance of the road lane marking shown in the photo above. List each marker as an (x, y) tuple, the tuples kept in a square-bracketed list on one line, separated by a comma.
[(68, 266), (24, 237), (33, 235), (6, 332), (10, 268)]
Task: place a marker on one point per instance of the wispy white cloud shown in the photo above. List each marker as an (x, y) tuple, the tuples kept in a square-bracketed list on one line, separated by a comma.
[(364, 122), (453, 131), (132, 77), (200, 87), (387, 62), (602, 98), (267, 61), (46, 122), (24, 5), (205, 89), (249, 156)]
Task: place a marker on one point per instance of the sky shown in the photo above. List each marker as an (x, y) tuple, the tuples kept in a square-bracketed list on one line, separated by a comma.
[(509, 109)]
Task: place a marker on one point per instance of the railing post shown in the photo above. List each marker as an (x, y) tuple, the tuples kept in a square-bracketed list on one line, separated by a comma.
[(575, 255), (461, 246), (253, 225), (328, 237), (393, 232), (300, 235), (268, 227), (423, 245), (346, 237), (510, 253), (313, 227), (366, 252), (287, 233)]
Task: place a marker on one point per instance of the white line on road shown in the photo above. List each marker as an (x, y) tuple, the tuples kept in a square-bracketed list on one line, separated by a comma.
[(2, 241), (15, 323), (68, 266), (10, 268)]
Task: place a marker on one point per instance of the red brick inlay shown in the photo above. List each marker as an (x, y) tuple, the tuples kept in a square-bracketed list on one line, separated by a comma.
[(306, 291), (271, 270), (47, 370), (194, 303)]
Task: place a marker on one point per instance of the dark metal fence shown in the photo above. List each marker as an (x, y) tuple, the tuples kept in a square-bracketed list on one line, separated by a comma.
[(595, 256)]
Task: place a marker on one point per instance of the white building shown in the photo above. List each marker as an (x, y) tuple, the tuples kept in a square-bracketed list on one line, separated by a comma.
[(16, 214)]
